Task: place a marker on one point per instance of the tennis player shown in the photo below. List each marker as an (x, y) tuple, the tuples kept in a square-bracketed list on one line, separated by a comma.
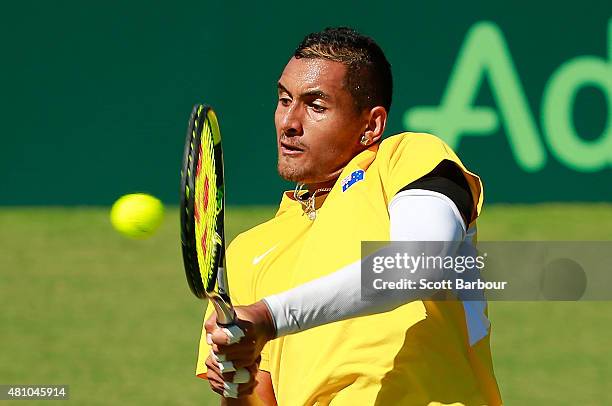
[(301, 269)]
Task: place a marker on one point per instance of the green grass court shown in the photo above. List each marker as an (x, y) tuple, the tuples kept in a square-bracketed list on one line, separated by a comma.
[(114, 319)]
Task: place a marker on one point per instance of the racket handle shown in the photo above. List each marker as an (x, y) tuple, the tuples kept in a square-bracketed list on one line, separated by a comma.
[(225, 311)]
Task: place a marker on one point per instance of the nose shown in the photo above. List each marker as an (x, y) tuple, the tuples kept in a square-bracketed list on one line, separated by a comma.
[(291, 120)]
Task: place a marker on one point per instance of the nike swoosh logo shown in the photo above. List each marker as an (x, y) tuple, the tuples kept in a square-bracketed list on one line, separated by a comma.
[(258, 259)]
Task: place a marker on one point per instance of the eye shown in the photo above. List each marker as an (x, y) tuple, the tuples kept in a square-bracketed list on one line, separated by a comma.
[(318, 108), (284, 101)]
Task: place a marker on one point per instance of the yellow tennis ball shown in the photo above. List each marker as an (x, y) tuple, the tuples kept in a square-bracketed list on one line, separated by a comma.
[(137, 215)]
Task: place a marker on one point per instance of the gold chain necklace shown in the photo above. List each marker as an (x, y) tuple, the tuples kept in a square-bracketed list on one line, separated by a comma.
[(308, 203)]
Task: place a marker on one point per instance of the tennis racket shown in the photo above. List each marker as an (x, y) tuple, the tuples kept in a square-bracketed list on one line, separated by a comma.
[(202, 206)]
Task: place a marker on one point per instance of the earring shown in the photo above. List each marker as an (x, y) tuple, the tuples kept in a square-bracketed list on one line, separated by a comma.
[(364, 140)]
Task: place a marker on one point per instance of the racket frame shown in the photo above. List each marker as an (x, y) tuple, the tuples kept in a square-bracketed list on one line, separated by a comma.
[(216, 289)]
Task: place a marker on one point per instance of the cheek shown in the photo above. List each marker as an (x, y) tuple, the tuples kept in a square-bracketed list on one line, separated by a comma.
[(326, 154)]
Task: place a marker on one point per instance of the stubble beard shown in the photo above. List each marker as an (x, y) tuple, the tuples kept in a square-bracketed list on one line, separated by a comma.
[(290, 171)]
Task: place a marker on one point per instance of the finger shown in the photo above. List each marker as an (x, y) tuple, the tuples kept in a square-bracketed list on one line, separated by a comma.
[(230, 390), (211, 362), (244, 361), (218, 357), (219, 349), (227, 366), (211, 324), (242, 375), (226, 335), (222, 371), (242, 347), (213, 358), (234, 351), (214, 380), (216, 387), (221, 368), (240, 359), (237, 359), (234, 333)]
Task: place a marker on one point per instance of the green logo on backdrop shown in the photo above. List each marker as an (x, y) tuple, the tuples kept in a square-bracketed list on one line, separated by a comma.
[(485, 53)]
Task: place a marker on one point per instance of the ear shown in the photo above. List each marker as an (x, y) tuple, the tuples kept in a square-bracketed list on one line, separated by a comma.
[(375, 127)]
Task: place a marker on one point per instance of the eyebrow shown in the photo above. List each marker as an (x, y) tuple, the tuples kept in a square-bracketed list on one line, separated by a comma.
[(309, 93)]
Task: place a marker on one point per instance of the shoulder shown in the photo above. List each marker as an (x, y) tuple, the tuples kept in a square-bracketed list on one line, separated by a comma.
[(414, 137), (409, 144), (406, 157), (409, 157)]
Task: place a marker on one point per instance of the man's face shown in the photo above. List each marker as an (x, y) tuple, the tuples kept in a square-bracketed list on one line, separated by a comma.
[(317, 125)]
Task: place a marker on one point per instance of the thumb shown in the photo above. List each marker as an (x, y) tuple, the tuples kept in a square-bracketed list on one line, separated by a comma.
[(211, 324), (226, 335), (219, 337)]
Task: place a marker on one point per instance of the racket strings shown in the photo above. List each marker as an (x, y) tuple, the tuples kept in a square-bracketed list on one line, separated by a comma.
[(205, 205)]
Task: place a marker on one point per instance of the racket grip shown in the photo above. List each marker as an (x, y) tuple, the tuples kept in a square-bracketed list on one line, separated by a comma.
[(225, 311)]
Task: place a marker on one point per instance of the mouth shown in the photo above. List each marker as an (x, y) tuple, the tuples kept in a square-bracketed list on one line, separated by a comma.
[(290, 149)]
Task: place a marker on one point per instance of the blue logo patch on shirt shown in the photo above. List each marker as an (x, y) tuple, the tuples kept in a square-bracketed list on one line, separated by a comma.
[(353, 178)]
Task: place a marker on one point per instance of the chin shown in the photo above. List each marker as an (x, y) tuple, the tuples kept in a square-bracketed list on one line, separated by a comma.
[(291, 173)]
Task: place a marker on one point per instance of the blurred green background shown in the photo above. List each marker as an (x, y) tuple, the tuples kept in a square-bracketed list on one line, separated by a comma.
[(95, 99), (96, 96)]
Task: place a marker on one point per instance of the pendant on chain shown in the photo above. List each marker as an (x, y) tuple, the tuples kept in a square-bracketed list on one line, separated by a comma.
[(309, 203)]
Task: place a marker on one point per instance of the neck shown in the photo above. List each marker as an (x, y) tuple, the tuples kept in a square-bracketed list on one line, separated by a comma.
[(314, 186), (327, 183)]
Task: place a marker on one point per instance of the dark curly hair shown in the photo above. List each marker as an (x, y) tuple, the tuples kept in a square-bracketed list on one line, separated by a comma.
[(368, 76)]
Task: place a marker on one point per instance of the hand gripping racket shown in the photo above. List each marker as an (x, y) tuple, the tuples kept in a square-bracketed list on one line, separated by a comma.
[(202, 206)]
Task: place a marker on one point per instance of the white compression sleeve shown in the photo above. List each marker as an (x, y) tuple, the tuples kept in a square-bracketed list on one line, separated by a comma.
[(415, 215)]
